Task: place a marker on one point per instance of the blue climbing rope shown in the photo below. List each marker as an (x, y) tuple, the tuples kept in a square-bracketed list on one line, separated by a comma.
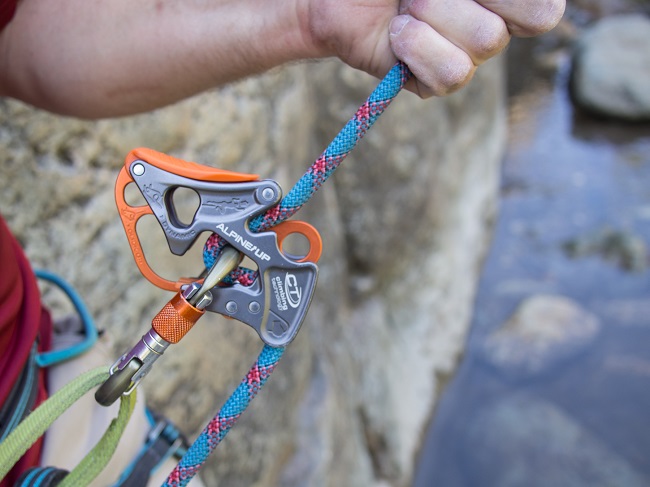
[(303, 190)]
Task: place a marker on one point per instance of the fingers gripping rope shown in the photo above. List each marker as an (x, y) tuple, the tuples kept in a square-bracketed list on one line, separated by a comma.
[(327, 163), (303, 190)]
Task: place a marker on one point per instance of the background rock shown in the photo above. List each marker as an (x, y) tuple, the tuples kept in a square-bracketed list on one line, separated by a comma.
[(625, 249), (405, 224), (541, 446), (612, 67), (543, 332)]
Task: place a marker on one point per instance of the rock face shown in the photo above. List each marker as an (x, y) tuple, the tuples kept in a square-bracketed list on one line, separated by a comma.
[(405, 223), (542, 333), (612, 68)]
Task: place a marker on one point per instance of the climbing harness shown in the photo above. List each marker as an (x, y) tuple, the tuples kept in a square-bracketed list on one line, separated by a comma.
[(248, 218)]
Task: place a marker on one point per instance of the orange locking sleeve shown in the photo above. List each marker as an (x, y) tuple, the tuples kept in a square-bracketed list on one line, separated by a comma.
[(175, 319)]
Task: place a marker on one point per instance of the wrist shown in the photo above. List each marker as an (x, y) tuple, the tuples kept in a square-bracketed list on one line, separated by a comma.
[(252, 36), (289, 32)]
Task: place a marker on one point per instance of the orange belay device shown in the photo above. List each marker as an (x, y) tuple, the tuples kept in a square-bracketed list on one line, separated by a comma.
[(277, 294)]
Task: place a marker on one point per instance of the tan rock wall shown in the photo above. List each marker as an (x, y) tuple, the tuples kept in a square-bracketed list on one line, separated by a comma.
[(405, 222)]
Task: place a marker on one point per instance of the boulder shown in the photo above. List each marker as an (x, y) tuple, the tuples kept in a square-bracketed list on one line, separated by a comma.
[(623, 248), (611, 68), (544, 331)]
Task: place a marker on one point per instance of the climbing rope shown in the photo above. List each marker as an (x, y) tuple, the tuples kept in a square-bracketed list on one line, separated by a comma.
[(323, 167), (302, 191), (220, 425)]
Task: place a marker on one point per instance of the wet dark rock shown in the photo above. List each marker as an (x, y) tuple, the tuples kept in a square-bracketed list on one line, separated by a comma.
[(521, 440), (612, 68), (544, 331), (625, 249)]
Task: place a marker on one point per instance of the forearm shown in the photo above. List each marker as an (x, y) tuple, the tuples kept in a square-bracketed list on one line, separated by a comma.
[(99, 58), (108, 58)]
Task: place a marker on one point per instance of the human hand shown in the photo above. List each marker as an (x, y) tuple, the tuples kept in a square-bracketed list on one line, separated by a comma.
[(442, 41), (195, 46)]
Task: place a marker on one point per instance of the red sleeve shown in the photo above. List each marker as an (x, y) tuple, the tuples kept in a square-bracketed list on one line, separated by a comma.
[(7, 11), (22, 321)]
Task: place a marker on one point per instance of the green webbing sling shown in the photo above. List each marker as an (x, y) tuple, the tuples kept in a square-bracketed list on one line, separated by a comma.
[(33, 427)]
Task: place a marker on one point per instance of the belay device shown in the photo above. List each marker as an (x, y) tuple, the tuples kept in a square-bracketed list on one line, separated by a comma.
[(273, 299)]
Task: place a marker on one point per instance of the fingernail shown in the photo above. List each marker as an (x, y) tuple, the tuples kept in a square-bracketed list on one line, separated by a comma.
[(398, 23)]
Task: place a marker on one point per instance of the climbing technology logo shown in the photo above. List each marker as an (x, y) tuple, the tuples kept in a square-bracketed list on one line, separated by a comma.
[(294, 291), (287, 293)]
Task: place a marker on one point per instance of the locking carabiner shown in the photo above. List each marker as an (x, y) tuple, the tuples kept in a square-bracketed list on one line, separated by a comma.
[(169, 326)]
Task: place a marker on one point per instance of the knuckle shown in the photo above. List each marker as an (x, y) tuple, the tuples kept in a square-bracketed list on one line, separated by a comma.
[(491, 39), (544, 17), (455, 74)]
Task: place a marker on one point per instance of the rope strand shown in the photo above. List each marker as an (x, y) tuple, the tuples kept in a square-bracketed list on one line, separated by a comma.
[(217, 429), (303, 190), (326, 164)]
